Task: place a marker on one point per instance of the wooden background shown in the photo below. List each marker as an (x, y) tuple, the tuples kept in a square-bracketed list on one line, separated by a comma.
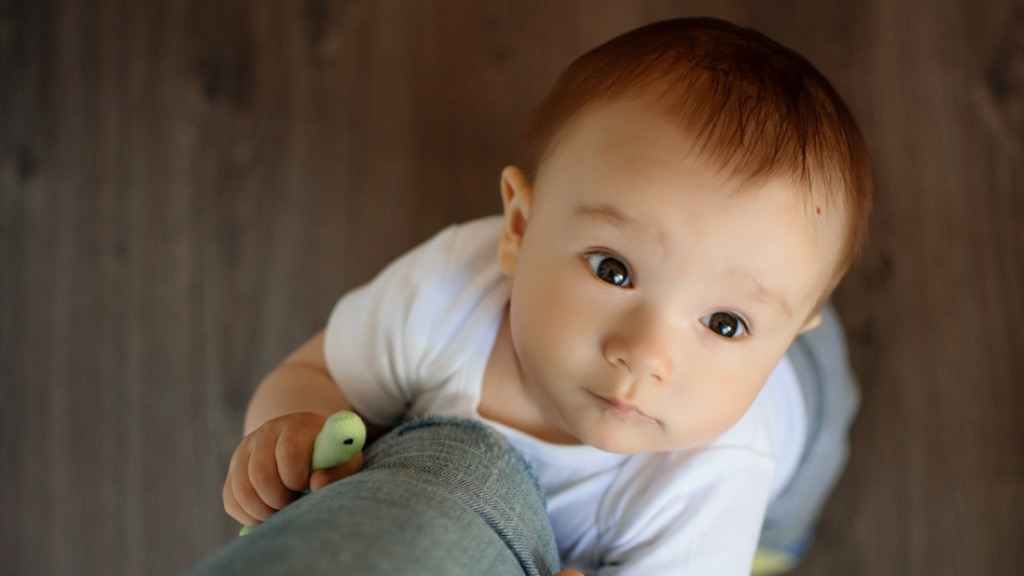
[(186, 186)]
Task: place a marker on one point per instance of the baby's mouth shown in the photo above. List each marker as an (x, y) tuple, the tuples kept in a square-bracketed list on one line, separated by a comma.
[(623, 408)]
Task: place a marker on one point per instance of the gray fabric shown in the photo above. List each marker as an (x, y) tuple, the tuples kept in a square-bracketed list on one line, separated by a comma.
[(436, 497), (819, 357)]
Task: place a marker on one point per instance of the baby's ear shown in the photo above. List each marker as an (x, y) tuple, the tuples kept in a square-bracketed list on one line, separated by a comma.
[(516, 196)]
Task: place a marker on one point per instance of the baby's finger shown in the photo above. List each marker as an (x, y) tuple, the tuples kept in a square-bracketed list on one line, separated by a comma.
[(242, 489), (250, 500), (266, 478), (293, 452), (240, 499), (321, 478), (233, 508)]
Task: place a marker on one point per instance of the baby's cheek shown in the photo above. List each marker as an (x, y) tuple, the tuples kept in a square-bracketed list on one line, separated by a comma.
[(717, 403), (547, 329)]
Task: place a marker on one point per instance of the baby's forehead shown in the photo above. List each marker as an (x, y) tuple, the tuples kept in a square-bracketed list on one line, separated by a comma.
[(625, 125), (614, 133)]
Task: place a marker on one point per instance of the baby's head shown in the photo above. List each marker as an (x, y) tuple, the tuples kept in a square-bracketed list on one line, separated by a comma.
[(683, 202), (754, 109)]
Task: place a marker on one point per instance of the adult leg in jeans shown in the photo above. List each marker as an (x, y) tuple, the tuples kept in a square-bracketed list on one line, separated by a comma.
[(437, 496)]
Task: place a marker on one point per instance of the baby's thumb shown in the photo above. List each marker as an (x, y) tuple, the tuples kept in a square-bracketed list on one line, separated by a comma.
[(320, 478)]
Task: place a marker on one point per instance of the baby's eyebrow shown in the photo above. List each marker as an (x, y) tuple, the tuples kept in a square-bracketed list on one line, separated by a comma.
[(613, 216), (605, 212), (759, 292)]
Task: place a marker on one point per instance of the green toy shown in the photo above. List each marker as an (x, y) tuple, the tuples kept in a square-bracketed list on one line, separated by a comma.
[(341, 438)]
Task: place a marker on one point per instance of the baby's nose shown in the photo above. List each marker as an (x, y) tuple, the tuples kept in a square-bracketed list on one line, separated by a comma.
[(646, 347)]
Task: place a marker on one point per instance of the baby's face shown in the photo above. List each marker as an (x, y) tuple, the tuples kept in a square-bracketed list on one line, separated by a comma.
[(651, 296)]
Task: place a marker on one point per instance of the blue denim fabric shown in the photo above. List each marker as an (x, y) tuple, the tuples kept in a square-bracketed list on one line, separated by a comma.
[(436, 496)]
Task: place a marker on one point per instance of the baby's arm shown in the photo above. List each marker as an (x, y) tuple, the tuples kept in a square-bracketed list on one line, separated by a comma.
[(300, 383), (272, 463)]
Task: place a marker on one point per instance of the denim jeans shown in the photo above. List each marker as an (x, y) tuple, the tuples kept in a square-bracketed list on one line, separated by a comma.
[(437, 496)]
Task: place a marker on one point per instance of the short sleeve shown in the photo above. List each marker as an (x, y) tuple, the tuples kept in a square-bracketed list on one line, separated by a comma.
[(392, 340)]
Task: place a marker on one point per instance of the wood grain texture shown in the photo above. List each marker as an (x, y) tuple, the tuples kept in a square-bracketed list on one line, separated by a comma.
[(187, 186)]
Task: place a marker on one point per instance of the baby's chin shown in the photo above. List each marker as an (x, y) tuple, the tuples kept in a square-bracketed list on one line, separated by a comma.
[(618, 440), (639, 439)]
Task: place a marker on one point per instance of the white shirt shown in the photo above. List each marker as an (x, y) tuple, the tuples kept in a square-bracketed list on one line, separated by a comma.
[(416, 341)]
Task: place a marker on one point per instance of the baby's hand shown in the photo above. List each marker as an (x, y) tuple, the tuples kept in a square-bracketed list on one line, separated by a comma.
[(271, 466)]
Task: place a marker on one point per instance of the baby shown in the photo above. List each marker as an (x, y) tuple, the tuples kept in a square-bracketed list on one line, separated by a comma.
[(644, 323)]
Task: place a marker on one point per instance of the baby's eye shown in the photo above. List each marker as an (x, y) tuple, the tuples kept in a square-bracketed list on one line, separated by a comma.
[(725, 324), (609, 269)]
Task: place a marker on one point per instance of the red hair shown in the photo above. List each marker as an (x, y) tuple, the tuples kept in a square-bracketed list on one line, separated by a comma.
[(753, 106)]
